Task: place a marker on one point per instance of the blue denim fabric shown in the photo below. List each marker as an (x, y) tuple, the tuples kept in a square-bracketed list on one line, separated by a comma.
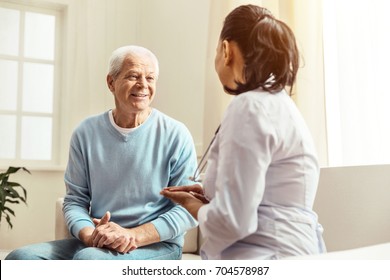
[(74, 249)]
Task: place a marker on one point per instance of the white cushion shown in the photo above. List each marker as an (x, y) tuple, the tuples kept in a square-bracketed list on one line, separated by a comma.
[(374, 252)]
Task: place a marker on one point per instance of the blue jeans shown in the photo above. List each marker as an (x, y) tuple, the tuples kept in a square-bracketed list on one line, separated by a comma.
[(74, 249)]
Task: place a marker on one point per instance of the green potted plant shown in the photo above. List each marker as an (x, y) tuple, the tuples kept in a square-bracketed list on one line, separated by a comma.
[(10, 193)]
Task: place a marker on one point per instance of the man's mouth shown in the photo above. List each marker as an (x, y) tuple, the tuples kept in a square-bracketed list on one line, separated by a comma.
[(139, 95)]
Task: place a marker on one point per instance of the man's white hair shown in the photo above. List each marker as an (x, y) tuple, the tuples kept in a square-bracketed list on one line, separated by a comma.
[(119, 55)]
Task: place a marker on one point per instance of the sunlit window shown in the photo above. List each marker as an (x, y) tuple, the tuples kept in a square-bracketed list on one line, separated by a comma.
[(28, 79), (356, 60)]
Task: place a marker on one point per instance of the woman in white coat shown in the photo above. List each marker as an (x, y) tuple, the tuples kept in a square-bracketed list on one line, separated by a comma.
[(256, 199)]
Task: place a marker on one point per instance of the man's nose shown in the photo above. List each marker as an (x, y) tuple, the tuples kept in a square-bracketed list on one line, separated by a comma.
[(142, 82)]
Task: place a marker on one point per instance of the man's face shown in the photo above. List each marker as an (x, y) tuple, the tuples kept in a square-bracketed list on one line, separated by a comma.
[(135, 85)]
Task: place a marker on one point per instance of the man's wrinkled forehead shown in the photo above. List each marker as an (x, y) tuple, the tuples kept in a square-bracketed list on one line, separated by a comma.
[(140, 62)]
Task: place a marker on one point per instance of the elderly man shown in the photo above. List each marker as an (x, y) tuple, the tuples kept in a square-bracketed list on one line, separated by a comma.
[(119, 161)]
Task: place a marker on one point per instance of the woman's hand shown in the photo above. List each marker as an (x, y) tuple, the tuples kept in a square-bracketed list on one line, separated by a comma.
[(190, 197), (195, 190)]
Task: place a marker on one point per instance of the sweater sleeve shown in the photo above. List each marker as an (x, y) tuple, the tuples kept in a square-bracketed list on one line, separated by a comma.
[(77, 198), (177, 220)]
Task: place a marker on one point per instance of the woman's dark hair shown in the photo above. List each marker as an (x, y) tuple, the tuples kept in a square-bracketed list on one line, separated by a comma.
[(268, 47)]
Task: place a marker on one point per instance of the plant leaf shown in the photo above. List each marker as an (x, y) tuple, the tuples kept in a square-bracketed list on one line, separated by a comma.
[(9, 193), (8, 218), (12, 201), (12, 169), (13, 184), (12, 212)]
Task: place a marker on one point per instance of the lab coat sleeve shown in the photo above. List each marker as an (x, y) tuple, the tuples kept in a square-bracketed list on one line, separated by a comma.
[(246, 142)]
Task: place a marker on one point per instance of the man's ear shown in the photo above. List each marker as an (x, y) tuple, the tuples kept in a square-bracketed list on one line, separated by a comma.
[(110, 83), (227, 52)]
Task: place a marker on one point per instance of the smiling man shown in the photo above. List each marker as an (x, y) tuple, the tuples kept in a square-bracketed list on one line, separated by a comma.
[(119, 161)]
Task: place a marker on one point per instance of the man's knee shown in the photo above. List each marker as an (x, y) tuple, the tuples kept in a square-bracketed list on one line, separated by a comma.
[(23, 254), (92, 253)]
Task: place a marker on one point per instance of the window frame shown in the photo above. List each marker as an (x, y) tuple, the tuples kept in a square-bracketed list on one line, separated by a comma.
[(54, 162)]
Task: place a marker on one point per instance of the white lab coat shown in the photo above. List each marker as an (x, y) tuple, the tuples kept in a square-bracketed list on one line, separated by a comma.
[(262, 178)]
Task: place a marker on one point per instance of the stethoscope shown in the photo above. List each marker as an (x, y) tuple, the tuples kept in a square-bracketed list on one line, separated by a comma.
[(203, 162)]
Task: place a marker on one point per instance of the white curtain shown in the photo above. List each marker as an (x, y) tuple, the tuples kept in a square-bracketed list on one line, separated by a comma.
[(305, 19), (357, 59)]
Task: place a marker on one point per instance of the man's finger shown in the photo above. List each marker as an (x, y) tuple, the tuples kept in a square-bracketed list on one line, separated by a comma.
[(131, 246), (105, 219)]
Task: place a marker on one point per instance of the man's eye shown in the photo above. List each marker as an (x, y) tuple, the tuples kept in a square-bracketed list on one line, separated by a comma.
[(150, 78), (133, 77)]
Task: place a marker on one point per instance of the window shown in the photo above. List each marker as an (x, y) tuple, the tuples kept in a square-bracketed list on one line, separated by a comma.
[(28, 79), (356, 60)]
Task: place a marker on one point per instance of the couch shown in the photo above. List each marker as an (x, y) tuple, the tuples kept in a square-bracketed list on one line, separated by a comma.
[(352, 204)]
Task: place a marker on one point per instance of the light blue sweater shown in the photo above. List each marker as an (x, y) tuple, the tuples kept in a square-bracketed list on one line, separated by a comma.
[(108, 171)]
